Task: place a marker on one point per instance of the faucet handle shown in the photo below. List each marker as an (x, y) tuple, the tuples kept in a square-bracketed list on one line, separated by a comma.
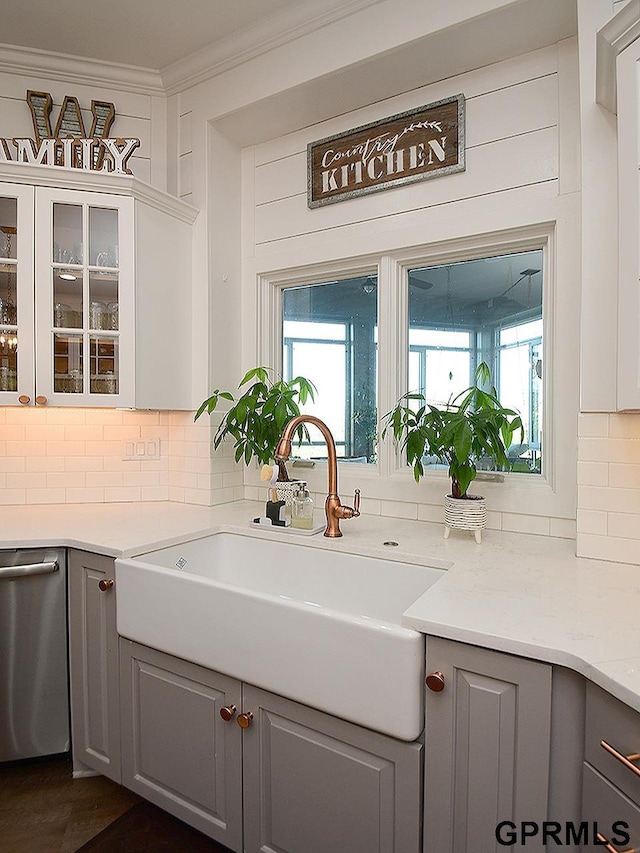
[(356, 503)]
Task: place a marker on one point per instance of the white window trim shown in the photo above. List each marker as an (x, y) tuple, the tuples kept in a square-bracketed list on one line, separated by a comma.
[(269, 299), (453, 251), (520, 493)]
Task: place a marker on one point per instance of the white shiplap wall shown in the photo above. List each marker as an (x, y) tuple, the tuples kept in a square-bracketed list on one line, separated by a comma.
[(511, 141), (522, 127)]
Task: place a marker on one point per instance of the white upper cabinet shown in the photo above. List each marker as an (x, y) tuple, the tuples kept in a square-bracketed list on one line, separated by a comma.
[(618, 89), (629, 229), (85, 308), (95, 292), (16, 293)]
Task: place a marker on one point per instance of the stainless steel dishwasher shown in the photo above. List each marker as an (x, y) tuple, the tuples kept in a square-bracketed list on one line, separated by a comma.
[(34, 675)]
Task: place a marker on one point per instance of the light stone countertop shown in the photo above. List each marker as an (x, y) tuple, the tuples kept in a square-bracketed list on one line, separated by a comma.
[(518, 593)]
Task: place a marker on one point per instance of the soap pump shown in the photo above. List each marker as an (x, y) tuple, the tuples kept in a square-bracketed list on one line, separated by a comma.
[(302, 509)]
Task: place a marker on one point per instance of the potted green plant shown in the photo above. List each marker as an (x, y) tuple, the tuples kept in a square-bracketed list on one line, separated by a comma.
[(258, 416), (472, 425)]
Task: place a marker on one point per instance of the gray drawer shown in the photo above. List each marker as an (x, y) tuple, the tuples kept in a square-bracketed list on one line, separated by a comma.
[(602, 806), (618, 726)]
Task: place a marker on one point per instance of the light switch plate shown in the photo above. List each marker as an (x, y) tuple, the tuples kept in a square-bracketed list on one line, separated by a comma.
[(142, 450)]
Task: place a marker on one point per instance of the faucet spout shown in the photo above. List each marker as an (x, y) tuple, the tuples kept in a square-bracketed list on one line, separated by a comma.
[(333, 509)]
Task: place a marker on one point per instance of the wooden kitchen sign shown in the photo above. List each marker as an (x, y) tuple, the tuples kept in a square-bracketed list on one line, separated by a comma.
[(407, 147)]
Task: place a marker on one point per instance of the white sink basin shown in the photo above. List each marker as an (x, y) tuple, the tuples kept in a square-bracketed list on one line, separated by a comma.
[(313, 624)]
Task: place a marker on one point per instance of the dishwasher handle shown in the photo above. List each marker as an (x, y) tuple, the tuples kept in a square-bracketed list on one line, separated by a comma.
[(29, 569)]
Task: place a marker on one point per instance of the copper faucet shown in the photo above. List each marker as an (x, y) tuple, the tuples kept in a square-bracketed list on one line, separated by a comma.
[(333, 509)]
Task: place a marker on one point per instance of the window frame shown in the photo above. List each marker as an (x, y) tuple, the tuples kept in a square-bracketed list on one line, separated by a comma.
[(530, 343), (540, 237), (391, 269), (270, 342)]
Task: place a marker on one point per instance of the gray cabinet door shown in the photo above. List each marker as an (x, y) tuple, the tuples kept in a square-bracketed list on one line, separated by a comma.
[(487, 746), (177, 751), (93, 656), (313, 783)]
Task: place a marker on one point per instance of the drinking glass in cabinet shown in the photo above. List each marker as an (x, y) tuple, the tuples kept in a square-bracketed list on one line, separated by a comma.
[(67, 299), (7, 242), (8, 308), (103, 237), (112, 316), (103, 293), (67, 234), (8, 360), (67, 363), (75, 382), (97, 315), (62, 315), (104, 369)]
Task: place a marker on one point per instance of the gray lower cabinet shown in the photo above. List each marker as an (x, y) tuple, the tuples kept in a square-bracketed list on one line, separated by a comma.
[(93, 664), (177, 751), (611, 775), (610, 817), (291, 779), (487, 740), (314, 783)]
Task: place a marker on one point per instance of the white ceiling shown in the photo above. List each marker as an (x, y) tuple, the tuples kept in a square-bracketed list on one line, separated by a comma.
[(145, 33)]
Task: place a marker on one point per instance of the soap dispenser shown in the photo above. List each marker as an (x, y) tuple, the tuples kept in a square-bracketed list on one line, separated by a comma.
[(302, 509)]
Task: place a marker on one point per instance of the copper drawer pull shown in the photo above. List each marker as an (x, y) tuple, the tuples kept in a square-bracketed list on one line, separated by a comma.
[(623, 759), (610, 847), (227, 712), (244, 720), (435, 681)]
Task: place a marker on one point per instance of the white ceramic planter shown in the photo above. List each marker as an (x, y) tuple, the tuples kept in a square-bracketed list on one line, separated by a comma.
[(468, 513)]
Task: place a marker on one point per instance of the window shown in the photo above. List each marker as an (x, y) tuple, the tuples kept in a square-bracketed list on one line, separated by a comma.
[(487, 309), (329, 335)]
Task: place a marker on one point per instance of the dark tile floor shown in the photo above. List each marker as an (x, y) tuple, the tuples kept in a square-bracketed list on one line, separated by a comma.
[(44, 810)]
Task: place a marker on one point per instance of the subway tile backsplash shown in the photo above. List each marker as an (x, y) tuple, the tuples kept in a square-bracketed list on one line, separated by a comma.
[(608, 517), (103, 455), (77, 455)]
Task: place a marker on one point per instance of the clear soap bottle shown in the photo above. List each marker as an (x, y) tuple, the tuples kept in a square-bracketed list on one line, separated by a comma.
[(302, 509)]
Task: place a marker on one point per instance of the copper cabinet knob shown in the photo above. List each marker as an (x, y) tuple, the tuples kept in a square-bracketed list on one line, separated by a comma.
[(41, 400), (24, 399), (244, 720), (227, 712), (435, 681), (105, 584)]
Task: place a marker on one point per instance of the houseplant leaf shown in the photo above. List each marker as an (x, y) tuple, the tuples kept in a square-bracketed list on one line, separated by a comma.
[(258, 416)]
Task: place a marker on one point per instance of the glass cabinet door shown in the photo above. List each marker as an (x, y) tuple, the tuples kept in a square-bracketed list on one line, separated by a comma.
[(83, 305), (8, 294), (16, 304), (103, 301), (66, 255)]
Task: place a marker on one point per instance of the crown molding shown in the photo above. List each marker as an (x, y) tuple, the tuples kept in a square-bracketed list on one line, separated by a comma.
[(280, 29), (287, 26), (77, 69), (616, 34), (102, 182)]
